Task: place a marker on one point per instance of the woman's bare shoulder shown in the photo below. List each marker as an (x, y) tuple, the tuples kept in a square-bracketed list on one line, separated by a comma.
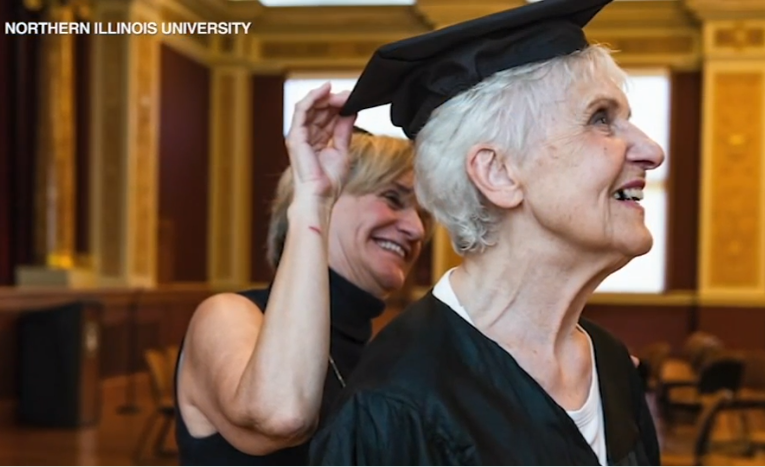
[(222, 316)]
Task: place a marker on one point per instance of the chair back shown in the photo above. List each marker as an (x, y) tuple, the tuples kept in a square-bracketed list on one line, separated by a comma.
[(161, 365), (722, 373), (754, 370), (719, 402)]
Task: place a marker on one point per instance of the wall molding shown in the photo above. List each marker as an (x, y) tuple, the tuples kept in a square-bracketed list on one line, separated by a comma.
[(671, 299), (648, 33)]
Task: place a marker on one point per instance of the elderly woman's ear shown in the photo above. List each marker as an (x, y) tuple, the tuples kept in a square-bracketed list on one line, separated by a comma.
[(495, 176)]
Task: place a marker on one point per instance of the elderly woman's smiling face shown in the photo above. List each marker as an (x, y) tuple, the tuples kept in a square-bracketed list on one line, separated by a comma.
[(584, 175)]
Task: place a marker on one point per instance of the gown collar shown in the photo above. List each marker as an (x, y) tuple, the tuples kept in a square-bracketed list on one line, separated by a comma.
[(617, 396)]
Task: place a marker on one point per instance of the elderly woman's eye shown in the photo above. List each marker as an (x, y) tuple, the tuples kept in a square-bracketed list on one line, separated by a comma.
[(600, 117)]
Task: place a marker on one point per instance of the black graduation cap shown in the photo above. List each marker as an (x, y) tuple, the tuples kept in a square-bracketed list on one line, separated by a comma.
[(418, 74)]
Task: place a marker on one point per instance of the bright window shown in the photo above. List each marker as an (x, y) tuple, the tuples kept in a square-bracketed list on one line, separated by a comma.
[(648, 93)]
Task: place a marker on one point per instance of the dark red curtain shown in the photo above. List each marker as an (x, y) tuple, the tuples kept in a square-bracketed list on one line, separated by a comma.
[(18, 112), (183, 166), (269, 159), (684, 180), (6, 94)]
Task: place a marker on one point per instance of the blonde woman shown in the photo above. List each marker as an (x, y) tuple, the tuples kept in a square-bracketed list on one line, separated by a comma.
[(259, 368)]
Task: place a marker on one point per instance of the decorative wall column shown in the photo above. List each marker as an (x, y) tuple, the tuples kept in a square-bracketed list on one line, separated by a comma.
[(54, 214), (732, 213), (230, 164), (124, 137)]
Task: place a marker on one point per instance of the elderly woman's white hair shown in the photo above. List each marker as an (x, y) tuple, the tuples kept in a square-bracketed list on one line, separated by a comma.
[(503, 110)]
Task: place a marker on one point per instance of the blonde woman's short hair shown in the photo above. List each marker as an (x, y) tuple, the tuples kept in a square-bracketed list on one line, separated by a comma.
[(375, 162)]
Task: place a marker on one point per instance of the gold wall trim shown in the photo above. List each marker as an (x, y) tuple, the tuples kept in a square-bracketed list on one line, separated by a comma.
[(732, 299), (224, 95), (229, 232), (108, 142), (321, 49), (441, 13), (732, 249), (670, 300), (726, 9), (217, 10), (632, 44), (678, 49), (735, 163), (671, 15), (648, 33), (143, 159), (741, 36), (639, 48), (355, 22), (734, 39), (638, 299), (646, 43), (125, 111), (54, 187)]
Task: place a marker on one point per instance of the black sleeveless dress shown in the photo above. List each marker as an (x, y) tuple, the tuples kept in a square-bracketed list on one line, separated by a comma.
[(352, 311)]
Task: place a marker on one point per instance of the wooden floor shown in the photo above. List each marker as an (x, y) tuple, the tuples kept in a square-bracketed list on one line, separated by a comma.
[(113, 441)]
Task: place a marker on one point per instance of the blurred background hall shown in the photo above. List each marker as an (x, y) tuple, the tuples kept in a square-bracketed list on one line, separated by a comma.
[(136, 171)]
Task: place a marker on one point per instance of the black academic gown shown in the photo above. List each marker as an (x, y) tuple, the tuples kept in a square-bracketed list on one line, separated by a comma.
[(432, 390)]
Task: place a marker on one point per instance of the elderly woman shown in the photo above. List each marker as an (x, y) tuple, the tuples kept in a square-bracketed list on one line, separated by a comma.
[(258, 368), (526, 155)]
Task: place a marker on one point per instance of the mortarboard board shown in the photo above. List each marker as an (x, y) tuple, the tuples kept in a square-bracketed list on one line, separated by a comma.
[(418, 74)]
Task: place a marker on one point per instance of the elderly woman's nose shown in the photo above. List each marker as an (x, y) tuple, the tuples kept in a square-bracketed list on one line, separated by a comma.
[(644, 151)]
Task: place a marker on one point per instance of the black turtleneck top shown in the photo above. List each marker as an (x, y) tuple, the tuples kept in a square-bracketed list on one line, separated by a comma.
[(352, 311)]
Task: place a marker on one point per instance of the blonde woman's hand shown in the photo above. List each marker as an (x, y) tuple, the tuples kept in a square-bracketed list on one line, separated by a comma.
[(317, 144)]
